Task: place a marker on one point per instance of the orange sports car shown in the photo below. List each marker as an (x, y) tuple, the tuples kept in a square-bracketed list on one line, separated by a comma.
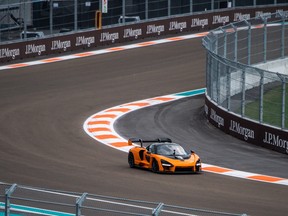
[(162, 155)]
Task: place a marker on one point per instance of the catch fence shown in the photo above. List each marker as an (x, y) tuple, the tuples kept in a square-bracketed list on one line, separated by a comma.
[(247, 69), (22, 200), (26, 19), (231, 52)]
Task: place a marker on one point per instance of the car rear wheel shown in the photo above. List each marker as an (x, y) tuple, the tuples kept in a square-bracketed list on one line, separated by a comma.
[(155, 166), (131, 160)]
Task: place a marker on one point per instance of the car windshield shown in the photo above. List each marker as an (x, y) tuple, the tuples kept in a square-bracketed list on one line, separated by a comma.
[(171, 149)]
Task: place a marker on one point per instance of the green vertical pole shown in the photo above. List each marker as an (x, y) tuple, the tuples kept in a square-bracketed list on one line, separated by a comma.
[(283, 37), (146, 10), (75, 15), (283, 103), (228, 87), (124, 11), (261, 96), (265, 40), (51, 17), (7, 199), (243, 93)]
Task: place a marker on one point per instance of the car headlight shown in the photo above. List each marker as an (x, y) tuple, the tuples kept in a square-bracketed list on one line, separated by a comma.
[(166, 163), (198, 163)]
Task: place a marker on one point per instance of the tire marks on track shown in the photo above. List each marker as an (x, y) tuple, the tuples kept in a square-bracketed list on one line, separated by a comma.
[(100, 125)]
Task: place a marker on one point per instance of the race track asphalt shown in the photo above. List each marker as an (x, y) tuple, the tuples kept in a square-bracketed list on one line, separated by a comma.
[(43, 144)]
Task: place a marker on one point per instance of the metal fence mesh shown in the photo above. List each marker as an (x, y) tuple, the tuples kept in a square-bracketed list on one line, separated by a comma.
[(17, 199), (27, 19), (247, 68)]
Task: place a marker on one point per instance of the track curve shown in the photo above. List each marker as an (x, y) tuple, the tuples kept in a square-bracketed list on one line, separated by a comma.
[(42, 142), (185, 121)]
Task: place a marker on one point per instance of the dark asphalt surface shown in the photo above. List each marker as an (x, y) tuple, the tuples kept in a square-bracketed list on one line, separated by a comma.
[(43, 144), (184, 120)]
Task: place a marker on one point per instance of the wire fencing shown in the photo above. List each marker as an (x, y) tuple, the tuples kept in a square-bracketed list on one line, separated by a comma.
[(22, 200), (247, 68), (26, 19), (232, 82)]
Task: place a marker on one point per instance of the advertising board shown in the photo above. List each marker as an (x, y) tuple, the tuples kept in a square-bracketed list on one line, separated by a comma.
[(102, 37)]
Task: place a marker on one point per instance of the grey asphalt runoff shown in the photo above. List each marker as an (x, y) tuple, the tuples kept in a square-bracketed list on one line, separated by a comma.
[(43, 144)]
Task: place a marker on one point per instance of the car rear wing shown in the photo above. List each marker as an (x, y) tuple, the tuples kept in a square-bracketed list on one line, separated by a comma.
[(141, 141)]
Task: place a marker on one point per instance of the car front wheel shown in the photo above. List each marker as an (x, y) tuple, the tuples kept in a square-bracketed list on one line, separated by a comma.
[(155, 166), (131, 160)]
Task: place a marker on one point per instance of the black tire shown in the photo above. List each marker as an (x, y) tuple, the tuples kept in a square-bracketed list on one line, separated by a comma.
[(155, 166), (131, 160)]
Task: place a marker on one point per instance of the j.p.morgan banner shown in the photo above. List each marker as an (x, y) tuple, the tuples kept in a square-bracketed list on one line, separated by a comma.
[(95, 38), (246, 130)]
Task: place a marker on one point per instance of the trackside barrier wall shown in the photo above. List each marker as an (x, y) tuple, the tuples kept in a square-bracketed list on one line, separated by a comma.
[(92, 38), (24, 19), (242, 99), (22, 200)]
